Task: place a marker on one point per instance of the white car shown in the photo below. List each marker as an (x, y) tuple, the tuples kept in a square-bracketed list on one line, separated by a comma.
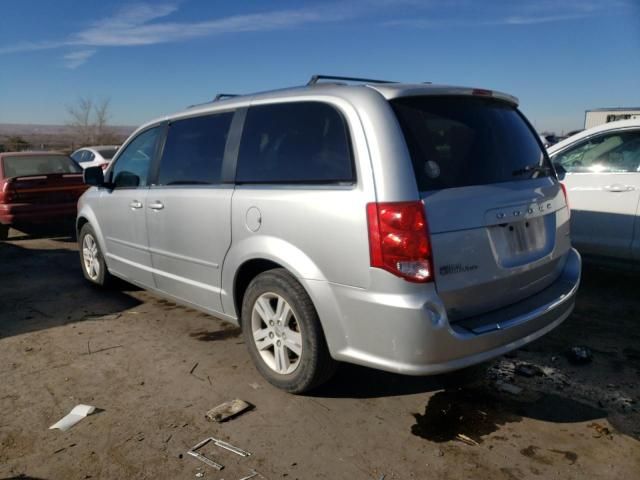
[(99, 156), (600, 169)]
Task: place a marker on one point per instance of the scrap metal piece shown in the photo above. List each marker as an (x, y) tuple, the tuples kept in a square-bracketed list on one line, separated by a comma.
[(231, 448), (218, 443), (227, 410), (251, 475), (194, 453)]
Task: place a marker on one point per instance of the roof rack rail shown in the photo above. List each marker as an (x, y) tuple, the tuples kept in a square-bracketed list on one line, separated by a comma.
[(315, 78), (222, 96)]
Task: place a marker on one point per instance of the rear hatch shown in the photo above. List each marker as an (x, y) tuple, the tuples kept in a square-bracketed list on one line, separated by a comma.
[(41, 179), (496, 214)]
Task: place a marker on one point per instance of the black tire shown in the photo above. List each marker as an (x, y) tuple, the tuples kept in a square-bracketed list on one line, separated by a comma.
[(4, 231), (103, 278), (315, 365)]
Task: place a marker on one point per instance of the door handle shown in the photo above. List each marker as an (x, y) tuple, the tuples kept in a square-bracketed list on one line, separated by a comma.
[(616, 187), (135, 204), (156, 205)]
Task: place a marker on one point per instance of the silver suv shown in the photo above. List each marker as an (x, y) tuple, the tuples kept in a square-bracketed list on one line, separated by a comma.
[(416, 229)]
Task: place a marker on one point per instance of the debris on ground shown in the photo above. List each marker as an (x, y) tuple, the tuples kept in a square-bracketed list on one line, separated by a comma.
[(601, 430), (528, 370), (77, 414), (468, 440), (218, 443), (579, 355), (227, 410), (252, 474), (509, 388)]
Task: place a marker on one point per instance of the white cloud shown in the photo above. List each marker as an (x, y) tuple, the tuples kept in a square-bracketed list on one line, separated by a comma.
[(138, 25), (75, 59), (515, 13)]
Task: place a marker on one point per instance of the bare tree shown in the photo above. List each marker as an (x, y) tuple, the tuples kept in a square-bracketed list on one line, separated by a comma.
[(101, 120), (89, 120)]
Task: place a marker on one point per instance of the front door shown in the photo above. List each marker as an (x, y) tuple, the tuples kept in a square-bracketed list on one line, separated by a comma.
[(122, 210), (603, 185)]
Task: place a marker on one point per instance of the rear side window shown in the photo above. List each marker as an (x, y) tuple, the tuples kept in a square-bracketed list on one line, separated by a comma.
[(194, 150), (463, 141), (302, 142), (22, 166)]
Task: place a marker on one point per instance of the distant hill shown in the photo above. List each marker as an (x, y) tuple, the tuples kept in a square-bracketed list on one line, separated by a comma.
[(53, 137), (23, 129)]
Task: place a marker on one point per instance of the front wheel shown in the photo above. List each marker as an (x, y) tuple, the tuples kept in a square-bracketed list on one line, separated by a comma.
[(283, 333), (92, 261)]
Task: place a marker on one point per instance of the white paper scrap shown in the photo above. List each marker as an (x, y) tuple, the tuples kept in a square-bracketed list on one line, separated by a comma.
[(77, 414)]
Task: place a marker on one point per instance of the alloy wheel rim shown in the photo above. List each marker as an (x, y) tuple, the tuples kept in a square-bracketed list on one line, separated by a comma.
[(276, 333), (90, 257)]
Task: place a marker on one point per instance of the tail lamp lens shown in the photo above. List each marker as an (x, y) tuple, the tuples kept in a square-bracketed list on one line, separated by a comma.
[(399, 239)]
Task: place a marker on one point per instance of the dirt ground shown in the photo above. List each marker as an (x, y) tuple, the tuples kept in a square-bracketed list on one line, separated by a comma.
[(154, 368)]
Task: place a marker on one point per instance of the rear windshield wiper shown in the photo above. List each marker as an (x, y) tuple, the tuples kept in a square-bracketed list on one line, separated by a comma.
[(535, 168)]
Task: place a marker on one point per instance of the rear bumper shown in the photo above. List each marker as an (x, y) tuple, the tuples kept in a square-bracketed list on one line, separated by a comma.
[(410, 333), (17, 213)]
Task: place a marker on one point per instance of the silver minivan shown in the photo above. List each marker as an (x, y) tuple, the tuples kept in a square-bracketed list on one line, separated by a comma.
[(416, 229)]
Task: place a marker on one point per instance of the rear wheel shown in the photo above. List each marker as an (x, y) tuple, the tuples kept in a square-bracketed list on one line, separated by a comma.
[(92, 261), (283, 333), (4, 231)]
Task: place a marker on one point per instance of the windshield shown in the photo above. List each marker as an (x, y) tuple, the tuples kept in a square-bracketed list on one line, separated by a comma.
[(107, 153), (27, 165), (462, 141)]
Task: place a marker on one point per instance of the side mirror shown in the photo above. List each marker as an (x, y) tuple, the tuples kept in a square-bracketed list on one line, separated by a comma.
[(127, 180), (93, 176), (560, 170)]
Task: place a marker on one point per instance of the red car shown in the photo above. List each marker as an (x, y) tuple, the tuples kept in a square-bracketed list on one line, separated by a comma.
[(37, 188)]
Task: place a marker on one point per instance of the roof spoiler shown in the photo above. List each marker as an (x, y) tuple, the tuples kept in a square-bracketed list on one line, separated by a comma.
[(316, 78)]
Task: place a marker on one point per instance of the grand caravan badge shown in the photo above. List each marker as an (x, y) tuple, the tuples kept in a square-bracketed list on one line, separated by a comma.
[(457, 268)]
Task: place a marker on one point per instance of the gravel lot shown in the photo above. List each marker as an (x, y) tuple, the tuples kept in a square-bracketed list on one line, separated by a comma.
[(154, 368)]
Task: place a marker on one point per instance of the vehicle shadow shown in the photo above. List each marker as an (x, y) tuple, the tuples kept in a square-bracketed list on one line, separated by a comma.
[(605, 320), (60, 233), (42, 288)]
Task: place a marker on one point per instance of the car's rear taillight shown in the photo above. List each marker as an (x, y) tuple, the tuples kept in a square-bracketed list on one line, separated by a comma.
[(104, 166), (7, 193), (399, 239), (566, 197)]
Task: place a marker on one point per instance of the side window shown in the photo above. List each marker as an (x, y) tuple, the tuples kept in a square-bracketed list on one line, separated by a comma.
[(612, 152), (89, 157), (132, 167), (80, 156), (194, 150), (302, 142)]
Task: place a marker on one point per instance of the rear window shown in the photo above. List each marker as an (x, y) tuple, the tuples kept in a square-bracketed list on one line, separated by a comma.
[(463, 141), (107, 153), (301, 142), (23, 166)]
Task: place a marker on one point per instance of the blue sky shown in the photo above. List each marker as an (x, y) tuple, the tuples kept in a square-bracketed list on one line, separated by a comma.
[(559, 57)]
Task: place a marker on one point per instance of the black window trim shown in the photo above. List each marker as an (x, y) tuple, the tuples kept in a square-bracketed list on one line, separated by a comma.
[(311, 183), (226, 161)]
